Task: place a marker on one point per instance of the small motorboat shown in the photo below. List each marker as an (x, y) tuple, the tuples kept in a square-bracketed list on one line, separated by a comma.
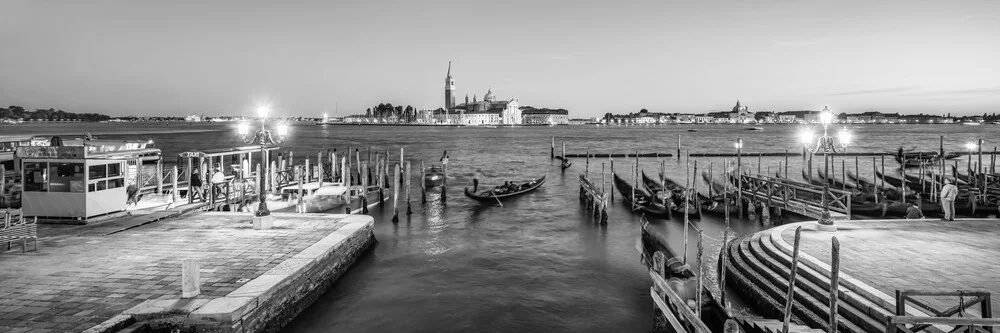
[(755, 128), (499, 192), (692, 130), (434, 176)]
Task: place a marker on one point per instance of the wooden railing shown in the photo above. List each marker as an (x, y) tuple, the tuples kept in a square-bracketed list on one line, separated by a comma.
[(784, 191), (966, 299)]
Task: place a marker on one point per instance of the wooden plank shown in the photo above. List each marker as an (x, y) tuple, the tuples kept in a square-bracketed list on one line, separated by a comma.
[(666, 311), (951, 321)]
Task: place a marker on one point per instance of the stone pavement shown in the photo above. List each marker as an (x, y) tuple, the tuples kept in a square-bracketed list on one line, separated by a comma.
[(78, 279), (915, 254)]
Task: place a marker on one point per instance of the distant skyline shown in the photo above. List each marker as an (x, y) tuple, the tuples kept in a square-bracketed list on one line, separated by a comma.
[(158, 58)]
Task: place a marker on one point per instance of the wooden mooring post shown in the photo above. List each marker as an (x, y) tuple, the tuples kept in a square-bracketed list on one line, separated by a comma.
[(407, 184), (790, 296), (395, 195), (173, 185), (364, 188), (423, 183), (552, 149), (701, 273), (834, 283)]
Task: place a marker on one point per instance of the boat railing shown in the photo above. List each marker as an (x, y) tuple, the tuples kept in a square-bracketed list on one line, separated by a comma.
[(680, 317)]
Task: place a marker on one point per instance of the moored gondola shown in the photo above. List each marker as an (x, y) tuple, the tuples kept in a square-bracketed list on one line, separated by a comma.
[(500, 192), (644, 202)]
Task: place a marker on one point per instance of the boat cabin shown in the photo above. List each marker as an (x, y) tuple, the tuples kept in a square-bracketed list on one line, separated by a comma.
[(80, 179)]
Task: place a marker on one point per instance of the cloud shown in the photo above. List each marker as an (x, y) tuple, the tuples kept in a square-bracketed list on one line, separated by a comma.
[(546, 56), (878, 91), (953, 92)]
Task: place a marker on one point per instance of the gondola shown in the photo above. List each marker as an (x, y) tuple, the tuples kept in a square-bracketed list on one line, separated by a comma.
[(434, 176), (644, 202), (493, 194), (916, 159), (713, 205)]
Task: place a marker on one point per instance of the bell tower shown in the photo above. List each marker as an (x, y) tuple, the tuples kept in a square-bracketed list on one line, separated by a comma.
[(449, 90)]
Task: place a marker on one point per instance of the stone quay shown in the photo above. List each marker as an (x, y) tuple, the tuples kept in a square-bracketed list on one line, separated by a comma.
[(124, 275)]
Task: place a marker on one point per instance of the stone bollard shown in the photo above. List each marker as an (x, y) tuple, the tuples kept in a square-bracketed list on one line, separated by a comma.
[(189, 278)]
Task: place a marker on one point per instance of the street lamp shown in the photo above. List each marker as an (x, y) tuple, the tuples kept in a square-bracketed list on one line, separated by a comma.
[(264, 138), (827, 144)]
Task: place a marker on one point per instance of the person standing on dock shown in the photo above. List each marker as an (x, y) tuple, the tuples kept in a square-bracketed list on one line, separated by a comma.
[(948, 194), (218, 178), (195, 189)]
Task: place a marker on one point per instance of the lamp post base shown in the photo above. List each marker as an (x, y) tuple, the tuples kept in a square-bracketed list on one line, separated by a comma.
[(263, 222), (825, 223)]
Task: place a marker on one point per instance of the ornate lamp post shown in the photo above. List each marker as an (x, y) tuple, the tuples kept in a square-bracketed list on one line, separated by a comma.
[(827, 144), (264, 138)]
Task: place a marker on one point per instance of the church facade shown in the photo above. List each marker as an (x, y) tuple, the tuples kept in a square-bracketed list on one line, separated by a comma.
[(488, 111)]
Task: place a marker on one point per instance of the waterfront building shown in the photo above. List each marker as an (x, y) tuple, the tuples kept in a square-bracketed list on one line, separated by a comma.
[(765, 117), (489, 111), (544, 116), (193, 118)]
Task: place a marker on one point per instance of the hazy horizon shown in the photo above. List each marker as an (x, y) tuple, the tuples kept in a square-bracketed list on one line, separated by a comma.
[(305, 58)]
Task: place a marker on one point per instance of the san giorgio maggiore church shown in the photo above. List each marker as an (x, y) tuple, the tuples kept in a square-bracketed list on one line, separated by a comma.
[(488, 111)]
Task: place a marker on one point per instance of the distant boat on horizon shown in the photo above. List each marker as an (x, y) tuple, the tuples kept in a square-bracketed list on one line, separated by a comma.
[(755, 128), (972, 123)]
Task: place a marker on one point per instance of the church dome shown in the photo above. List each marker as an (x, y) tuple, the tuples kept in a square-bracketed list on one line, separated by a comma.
[(489, 96)]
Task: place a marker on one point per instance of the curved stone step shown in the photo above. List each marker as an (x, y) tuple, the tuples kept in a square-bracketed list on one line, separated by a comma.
[(817, 296), (874, 302), (855, 318), (802, 305), (747, 283)]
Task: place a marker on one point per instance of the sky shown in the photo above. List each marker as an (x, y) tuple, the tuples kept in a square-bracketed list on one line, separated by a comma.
[(304, 58)]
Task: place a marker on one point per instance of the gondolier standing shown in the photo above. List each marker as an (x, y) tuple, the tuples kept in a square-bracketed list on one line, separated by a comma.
[(444, 158), (948, 194)]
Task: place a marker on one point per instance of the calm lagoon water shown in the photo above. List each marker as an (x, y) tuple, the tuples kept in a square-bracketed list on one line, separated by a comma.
[(540, 263)]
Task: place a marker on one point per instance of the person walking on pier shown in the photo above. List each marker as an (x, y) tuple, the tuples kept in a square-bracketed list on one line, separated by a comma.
[(196, 191), (948, 194)]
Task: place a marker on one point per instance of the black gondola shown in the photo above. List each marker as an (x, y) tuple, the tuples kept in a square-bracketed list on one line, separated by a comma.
[(493, 195), (644, 201)]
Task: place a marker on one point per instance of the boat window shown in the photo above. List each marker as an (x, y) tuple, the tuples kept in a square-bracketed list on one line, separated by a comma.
[(98, 171), (34, 177), (66, 177), (105, 177)]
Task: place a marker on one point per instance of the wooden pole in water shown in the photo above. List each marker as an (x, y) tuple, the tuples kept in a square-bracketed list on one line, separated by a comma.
[(552, 149), (834, 283), (423, 183), (883, 171), (993, 161), (701, 273), (678, 147), (612, 161), (786, 164), (759, 158), (3, 181), (333, 165), (395, 195), (291, 160), (694, 187), (725, 252), (564, 150), (300, 176), (843, 175), (159, 176), (364, 188), (791, 280), (711, 180), (686, 222), (407, 181), (319, 169), (173, 184), (587, 170), (357, 157), (979, 170)]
